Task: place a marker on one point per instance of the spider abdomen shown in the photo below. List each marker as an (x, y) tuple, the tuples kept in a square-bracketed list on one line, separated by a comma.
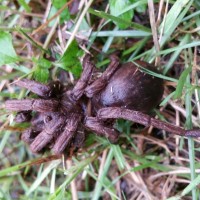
[(131, 88)]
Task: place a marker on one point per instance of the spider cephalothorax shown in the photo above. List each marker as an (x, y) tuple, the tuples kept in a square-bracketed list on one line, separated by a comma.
[(60, 114)]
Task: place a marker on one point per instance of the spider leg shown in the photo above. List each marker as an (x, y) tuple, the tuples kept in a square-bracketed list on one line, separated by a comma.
[(29, 135), (100, 129), (66, 136), (40, 105), (79, 138), (51, 128), (38, 124), (144, 119), (80, 86), (35, 87), (23, 116), (37, 120), (101, 82)]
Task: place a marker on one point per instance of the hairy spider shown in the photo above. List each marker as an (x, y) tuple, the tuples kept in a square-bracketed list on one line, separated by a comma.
[(61, 114)]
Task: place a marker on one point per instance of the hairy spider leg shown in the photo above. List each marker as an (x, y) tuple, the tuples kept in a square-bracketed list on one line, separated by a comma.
[(51, 128), (23, 116), (93, 123), (38, 124), (82, 83), (40, 105), (102, 81), (69, 132), (144, 119), (79, 138), (35, 87), (29, 135), (100, 129)]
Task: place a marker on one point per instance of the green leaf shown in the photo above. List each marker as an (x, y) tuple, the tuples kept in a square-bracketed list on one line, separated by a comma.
[(116, 6), (24, 5), (44, 63), (118, 156), (21, 68), (155, 73), (101, 179), (140, 8), (118, 20), (71, 173), (191, 186), (176, 53), (65, 15), (59, 3), (181, 82), (3, 7), (7, 52), (166, 99), (120, 33), (173, 18), (197, 4), (41, 73), (70, 59), (43, 175)]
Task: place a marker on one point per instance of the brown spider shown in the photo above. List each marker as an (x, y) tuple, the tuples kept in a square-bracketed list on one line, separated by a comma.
[(122, 91)]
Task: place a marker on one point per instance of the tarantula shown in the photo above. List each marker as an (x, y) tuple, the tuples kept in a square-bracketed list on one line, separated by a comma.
[(61, 113)]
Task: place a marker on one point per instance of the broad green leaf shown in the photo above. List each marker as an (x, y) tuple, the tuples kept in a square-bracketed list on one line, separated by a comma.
[(117, 6), (44, 63), (41, 72), (59, 3), (70, 59), (181, 82), (65, 15), (7, 52)]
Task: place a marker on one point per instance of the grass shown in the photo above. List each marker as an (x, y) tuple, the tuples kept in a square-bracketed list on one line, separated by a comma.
[(43, 41)]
